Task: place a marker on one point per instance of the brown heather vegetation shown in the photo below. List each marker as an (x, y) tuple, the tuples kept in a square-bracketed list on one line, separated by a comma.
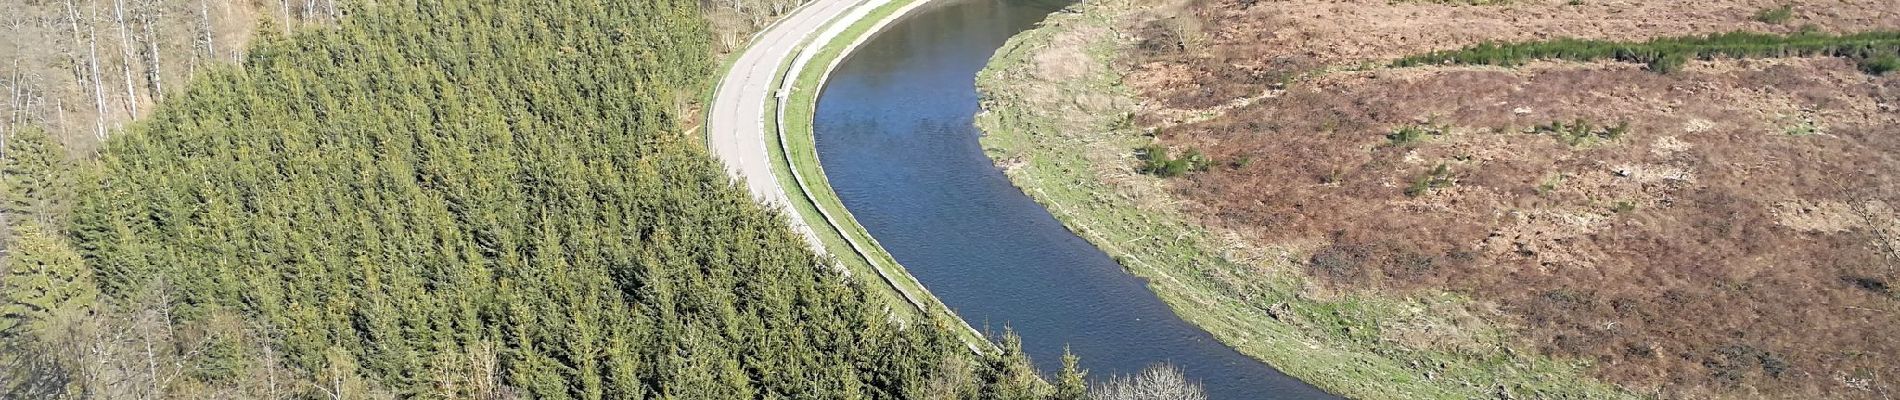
[(1240, 48), (1728, 230)]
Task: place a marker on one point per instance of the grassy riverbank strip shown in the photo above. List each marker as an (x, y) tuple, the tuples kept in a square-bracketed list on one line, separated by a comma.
[(1053, 119), (800, 207)]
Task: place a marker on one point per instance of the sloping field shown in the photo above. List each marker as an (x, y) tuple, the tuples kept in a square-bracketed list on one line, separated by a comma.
[(1722, 227)]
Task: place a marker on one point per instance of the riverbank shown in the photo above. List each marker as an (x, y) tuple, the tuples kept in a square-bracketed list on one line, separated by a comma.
[(1058, 122)]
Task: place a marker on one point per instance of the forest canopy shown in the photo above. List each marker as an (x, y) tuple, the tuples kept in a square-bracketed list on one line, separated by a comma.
[(467, 199)]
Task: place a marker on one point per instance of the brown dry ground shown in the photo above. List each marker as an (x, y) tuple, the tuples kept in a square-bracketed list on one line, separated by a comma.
[(1741, 241)]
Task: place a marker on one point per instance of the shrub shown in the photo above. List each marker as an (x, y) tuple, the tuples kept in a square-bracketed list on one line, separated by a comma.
[(1802, 124), (1871, 284), (1159, 382), (1731, 363), (1570, 299), (1157, 162), (1776, 15), (1339, 262), (1241, 162), (1154, 159), (1880, 65), (1438, 178), (1640, 350), (1617, 131), (1408, 135), (1581, 132), (1549, 184), (1667, 64), (1124, 121)]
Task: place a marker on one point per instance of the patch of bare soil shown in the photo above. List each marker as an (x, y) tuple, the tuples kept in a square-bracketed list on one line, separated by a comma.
[(1739, 239)]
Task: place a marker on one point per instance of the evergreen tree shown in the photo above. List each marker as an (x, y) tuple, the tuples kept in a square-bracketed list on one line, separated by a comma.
[(1010, 375), (33, 170), (43, 280), (1071, 383), (487, 197), (46, 285)]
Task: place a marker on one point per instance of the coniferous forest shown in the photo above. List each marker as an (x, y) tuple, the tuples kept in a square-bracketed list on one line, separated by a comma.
[(443, 199)]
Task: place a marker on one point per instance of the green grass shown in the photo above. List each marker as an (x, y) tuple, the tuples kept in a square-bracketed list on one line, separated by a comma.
[(1802, 125), (1079, 162), (1668, 54)]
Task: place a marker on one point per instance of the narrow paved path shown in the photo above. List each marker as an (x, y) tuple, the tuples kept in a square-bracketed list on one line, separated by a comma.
[(737, 127)]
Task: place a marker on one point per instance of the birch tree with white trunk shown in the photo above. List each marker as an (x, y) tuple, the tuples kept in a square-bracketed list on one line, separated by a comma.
[(127, 58)]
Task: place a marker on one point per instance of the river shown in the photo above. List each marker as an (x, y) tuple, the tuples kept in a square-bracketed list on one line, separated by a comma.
[(896, 138)]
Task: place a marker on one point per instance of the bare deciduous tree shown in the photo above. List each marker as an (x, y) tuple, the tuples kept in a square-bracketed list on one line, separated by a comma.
[(149, 13), (92, 65), (126, 57), (1159, 382)]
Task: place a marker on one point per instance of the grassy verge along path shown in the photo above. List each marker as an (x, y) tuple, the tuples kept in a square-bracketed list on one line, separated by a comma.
[(1053, 119), (794, 163), (798, 149), (736, 130)]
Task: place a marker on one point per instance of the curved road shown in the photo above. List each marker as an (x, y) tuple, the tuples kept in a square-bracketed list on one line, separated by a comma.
[(736, 130)]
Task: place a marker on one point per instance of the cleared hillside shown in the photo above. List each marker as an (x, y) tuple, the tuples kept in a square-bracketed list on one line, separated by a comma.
[(1459, 196)]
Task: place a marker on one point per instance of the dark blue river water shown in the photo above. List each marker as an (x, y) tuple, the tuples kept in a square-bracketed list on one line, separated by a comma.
[(895, 136)]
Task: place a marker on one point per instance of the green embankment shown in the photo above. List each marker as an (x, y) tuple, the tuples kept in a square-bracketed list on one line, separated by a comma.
[(810, 191), (1060, 141), (802, 206), (1875, 52)]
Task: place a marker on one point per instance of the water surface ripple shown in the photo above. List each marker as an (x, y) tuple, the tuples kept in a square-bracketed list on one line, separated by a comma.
[(895, 136)]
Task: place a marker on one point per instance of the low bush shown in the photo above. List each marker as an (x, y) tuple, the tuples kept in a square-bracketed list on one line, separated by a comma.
[(1881, 65), (1776, 15), (1870, 284), (1241, 162), (1438, 178), (1802, 127), (1549, 184), (1410, 134), (1156, 161), (1581, 132)]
